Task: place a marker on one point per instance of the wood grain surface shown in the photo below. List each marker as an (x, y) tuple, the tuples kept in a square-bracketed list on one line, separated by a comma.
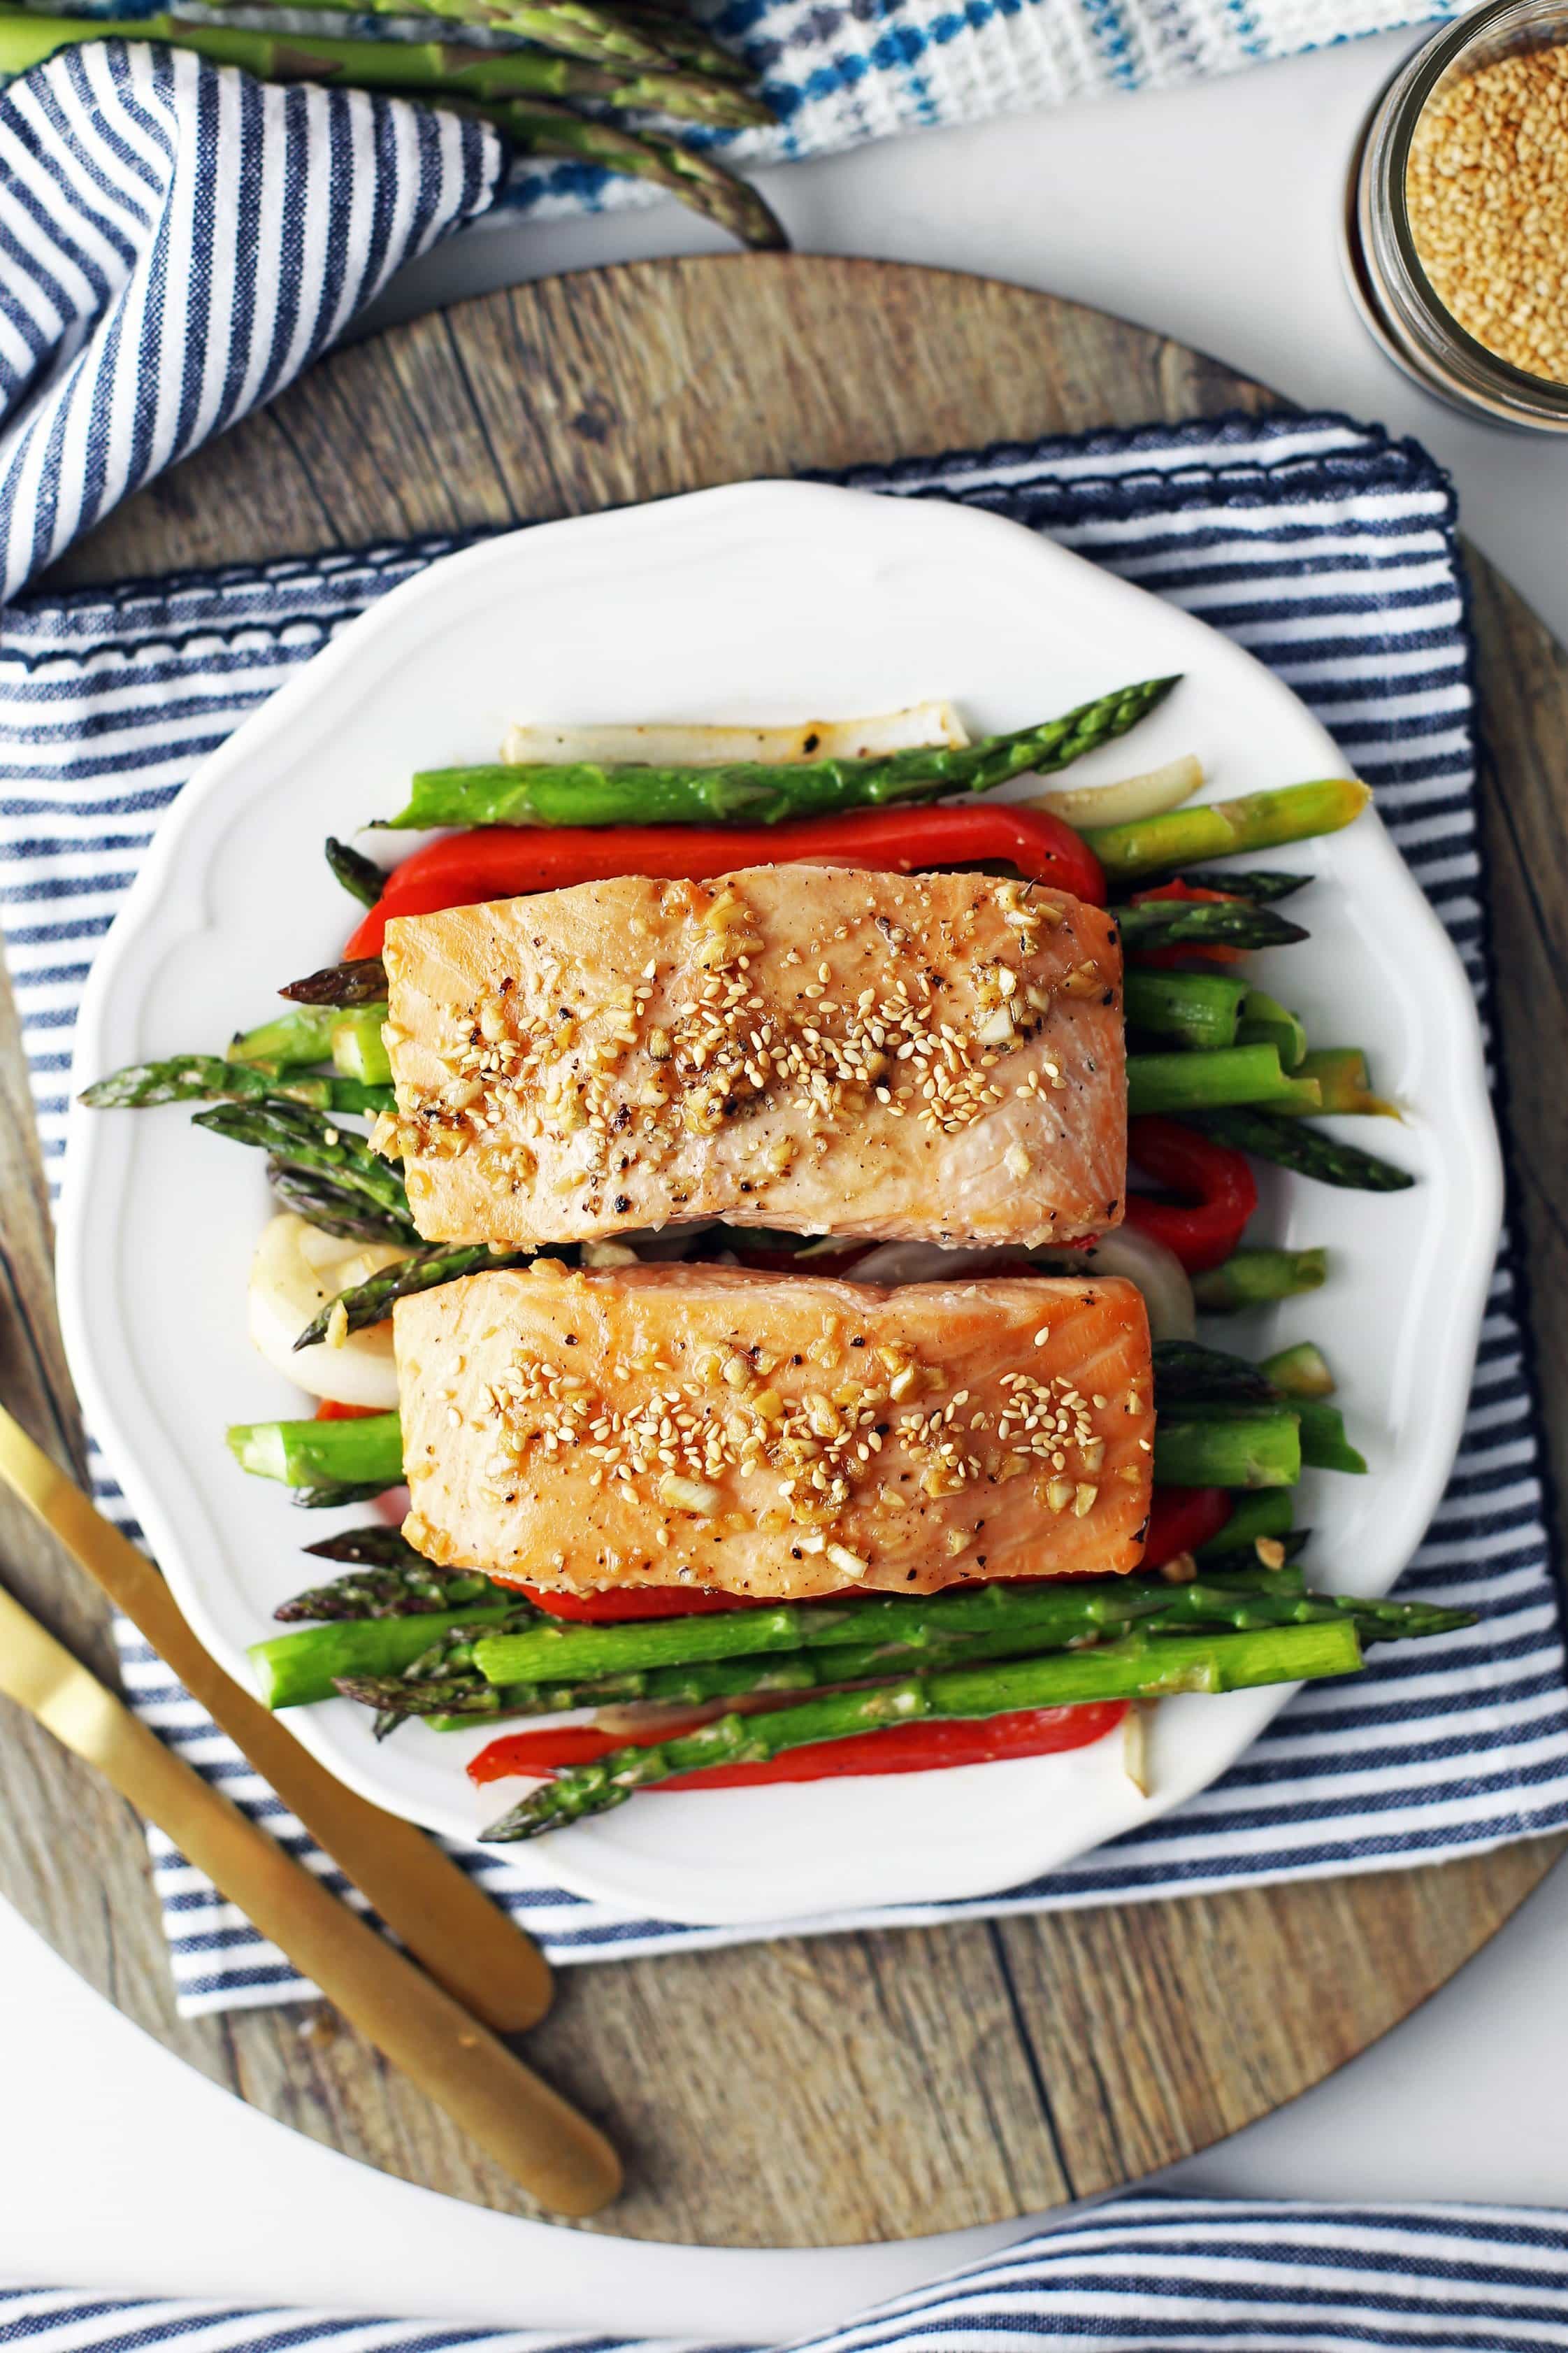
[(822, 2090)]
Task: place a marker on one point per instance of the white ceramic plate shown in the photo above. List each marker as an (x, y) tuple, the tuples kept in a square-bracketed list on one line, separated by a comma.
[(769, 602)]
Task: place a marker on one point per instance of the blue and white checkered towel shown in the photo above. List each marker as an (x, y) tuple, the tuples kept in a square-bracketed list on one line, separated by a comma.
[(1330, 552), (1132, 2274)]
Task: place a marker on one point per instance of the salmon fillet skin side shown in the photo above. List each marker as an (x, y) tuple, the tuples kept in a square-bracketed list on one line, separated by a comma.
[(778, 1436), (929, 1057)]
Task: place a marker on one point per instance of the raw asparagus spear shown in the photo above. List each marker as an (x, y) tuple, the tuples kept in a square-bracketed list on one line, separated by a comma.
[(373, 1301), (1136, 1668), (432, 69), (1197, 1009), (1290, 1145), (1230, 1074), (1222, 829), (1251, 1277), (361, 982), (306, 1139), (210, 1078), (687, 43), (1253, 1445), (569, 27), (540, 128), (361, 876), (316, 1196), (751, 792), (1203, 923), (390, 1592)]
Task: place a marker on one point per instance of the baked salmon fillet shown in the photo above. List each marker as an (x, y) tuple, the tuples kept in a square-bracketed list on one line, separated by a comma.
[(936, 1056), (774, 1435)]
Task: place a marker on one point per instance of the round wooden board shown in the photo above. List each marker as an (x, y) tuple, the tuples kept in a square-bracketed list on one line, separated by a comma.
[(827, 2090)]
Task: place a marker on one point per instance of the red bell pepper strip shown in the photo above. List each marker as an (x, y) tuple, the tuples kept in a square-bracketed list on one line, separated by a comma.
[(329, 1410), (1202, 1230), (1181, 1519), (896, 1748), (507, 862), (1179, 955)]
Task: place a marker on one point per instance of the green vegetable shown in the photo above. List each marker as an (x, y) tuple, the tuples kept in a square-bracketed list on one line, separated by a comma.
[(536, 126), (1247, 1600), (358, 1051), (434, 70), (748, 792), (372, 1301), (1198, 1009), (361, 981), (309, 1454), (1267, 1512), (1300, 1371), (1202, 923), (568, 27), (1138, 1667), (1261, 884), (1324, 1446), (1256, 1446), (210, 1078), (1227, 828), (1251, 1277), (1265, 1021), (316, 1196), (361, 876), (1231, 1074), (1035, 1615), (294, 1041), (1343, 1084), (296, 1670), (1268, 1136), (299, 1138), (1185, 1370), (394, 1590)]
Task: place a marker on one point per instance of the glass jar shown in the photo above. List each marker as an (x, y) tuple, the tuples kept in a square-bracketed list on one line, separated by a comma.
[(1391, 289)]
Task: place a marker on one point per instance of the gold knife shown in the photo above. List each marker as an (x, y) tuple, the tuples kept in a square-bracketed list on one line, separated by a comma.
[(556, 2155), (427, 1900)]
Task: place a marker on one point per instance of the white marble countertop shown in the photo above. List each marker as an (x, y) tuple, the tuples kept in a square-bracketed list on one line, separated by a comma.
[(1212, 214)]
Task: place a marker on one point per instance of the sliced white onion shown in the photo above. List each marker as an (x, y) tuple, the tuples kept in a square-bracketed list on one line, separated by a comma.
[(296, 1271), (928, 1262), (1127, 801), (671, 742), (1158, 1272)]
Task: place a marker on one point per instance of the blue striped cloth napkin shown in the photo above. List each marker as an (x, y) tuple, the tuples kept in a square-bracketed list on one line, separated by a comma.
[(1210, 2276), (1329, 552)]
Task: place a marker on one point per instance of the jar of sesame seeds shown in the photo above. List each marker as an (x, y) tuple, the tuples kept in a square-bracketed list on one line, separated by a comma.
[(1456, 218)]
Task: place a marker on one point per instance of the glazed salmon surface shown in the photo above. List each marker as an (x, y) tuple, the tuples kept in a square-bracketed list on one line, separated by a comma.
[(933, 1056), (779, 1436)]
